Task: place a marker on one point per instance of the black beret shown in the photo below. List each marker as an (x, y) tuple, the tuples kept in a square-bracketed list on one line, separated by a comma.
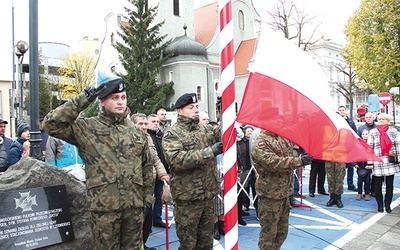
[(111, 87), (186, 99)]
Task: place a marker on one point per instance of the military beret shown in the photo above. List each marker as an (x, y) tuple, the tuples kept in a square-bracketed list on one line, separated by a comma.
[(186, 99), (113, 86)]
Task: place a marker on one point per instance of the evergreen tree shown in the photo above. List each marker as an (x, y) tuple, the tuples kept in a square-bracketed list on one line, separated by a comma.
[(45, 98), (92, 110), (141, 56)]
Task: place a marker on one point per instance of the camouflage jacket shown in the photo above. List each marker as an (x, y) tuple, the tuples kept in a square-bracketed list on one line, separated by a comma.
[(118, 165), (274, 161), (187, 150)]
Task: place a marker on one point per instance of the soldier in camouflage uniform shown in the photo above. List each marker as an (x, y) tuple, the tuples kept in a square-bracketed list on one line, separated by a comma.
[(274, 161), (190, 151), (119, 168), (335, 173)]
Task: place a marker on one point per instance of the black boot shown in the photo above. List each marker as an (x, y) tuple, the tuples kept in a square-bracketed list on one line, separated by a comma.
[(387, 206), (380, 207), (221, 227), (331, 200), (241, 221), (216, 232), (339, 202)]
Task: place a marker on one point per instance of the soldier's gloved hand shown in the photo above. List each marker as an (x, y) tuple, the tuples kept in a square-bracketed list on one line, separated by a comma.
[(217, 148), (306, 159), (91, 92)]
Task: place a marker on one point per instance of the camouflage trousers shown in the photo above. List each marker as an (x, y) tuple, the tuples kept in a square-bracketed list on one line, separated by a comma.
[(335, 173), (118, 230), (194, 224), (274, 220)]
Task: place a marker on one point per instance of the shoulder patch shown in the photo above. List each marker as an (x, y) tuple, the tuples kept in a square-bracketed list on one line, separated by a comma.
[(261, 144), (166, 135)]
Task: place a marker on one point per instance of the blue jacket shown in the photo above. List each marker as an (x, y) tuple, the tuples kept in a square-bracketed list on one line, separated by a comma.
[(16, 151), (61, 153)]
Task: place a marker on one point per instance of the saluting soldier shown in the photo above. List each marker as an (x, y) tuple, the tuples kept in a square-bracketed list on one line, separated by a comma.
[(190, 151), (118, 165), (274, 161)]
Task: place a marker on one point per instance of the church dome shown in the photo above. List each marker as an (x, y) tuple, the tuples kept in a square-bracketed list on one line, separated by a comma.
[(184, 48)]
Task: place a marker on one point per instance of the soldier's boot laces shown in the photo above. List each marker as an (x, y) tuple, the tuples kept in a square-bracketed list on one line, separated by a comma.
[(332, 200)]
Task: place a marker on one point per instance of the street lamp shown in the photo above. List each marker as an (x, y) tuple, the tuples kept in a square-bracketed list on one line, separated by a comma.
[(36, 140), (20, 49)]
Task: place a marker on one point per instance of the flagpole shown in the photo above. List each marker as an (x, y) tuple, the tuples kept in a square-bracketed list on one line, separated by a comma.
[(227, 70)]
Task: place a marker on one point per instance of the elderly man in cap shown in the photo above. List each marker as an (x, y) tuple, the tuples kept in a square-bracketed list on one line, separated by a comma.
[(118, 165), (190, 151)]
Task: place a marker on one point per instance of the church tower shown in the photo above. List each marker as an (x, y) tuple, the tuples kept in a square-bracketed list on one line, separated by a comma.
[(176, 14)]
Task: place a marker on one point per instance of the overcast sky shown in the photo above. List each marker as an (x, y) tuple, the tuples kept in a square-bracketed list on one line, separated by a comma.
[(69, 21)]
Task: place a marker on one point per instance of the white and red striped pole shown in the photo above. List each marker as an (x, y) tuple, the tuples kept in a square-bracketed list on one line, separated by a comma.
[(227, 68)]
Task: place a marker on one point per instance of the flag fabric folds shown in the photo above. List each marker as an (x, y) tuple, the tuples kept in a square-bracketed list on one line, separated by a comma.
[(288, 94)]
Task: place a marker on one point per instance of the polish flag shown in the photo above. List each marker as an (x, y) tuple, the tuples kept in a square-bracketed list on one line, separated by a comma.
[(288, 94)]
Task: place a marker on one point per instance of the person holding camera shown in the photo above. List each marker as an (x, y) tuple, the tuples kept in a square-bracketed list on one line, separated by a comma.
[(118, 164), (385, 141)]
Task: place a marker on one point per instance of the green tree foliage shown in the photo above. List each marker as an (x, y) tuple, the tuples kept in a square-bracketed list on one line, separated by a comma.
[(55, 102), (45, 99), (92, 110), (373, 50), (141, 56)]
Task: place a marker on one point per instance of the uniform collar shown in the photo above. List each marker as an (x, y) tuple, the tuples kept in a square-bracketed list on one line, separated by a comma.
[(111, 118), (188, 122)]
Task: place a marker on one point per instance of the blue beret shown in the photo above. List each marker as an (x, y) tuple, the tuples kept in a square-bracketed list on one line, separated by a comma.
[(113, 86), (186, 99)]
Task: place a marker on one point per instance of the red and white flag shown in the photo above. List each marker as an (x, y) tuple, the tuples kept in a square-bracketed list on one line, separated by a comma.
[(288, 94)]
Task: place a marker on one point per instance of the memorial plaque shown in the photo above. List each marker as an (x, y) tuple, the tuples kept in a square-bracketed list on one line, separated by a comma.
[(34, 218)]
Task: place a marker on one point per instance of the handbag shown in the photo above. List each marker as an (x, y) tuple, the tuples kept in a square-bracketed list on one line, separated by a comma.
[(393, 158)]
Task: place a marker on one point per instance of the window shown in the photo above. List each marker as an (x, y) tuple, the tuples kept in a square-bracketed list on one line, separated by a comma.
[(176, 7), (199, 93), (236, 108), (216, 86), (241, 20)]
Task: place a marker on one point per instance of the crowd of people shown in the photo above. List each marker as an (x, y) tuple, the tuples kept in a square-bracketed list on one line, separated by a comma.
[(129, 157)]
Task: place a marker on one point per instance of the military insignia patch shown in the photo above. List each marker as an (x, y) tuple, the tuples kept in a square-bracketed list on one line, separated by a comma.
[(261, 144)]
